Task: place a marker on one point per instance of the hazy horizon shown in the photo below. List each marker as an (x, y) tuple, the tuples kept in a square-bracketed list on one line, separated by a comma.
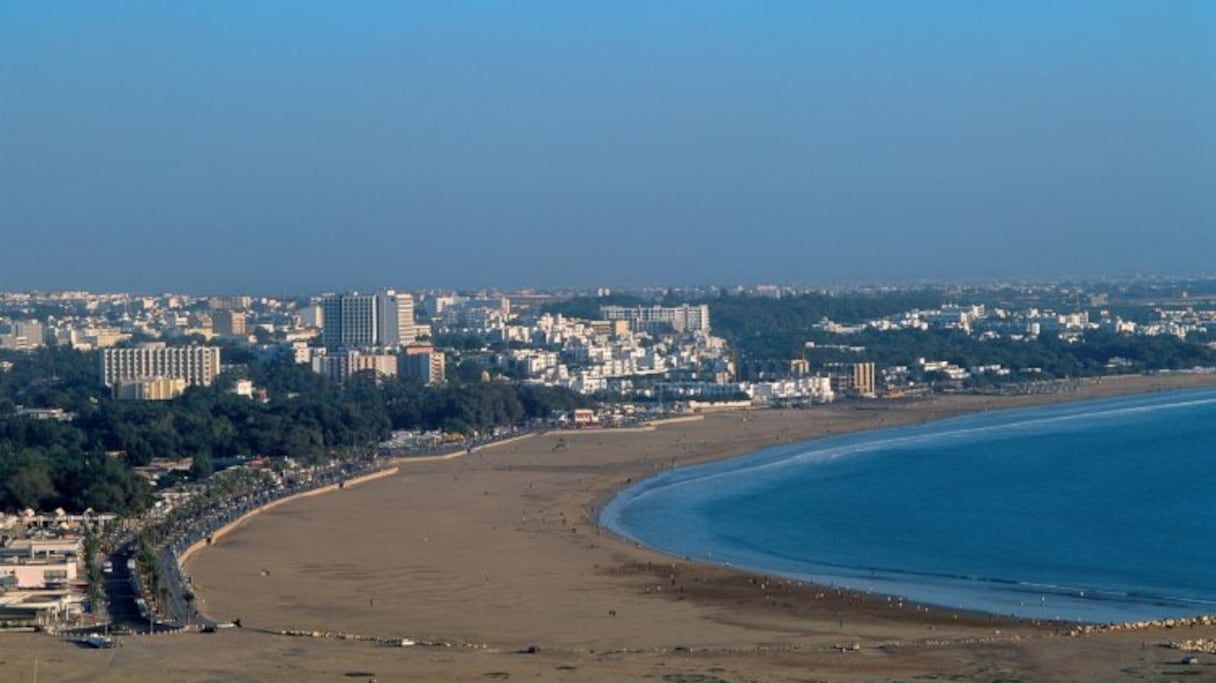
[(302, 147)]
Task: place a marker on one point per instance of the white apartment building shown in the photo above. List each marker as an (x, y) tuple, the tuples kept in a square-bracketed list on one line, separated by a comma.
[(395, 318), (683, 318), (198, 365)]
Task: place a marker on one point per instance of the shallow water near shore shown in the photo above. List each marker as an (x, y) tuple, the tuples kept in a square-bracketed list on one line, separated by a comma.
[(1096, 512)]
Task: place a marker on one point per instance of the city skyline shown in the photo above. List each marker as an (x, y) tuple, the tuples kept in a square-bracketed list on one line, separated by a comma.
[(303, 147)]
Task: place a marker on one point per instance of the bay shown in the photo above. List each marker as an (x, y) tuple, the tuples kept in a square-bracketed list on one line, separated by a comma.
[(1095, 512)]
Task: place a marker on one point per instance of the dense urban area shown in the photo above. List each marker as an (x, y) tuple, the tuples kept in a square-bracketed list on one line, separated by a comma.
[(134, 426)]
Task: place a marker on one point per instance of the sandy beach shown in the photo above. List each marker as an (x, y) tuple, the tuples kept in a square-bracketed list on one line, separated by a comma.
[(497, 555)]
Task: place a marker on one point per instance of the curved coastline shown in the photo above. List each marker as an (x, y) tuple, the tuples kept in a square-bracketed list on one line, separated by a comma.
[(592, 600), (677, 492)]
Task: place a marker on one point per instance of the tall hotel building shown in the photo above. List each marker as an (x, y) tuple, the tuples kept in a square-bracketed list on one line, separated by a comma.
[(396, 318), (362, 320), (349, 320), (197, 365)]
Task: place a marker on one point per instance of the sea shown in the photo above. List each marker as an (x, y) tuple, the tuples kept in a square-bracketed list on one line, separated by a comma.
[(1094, 512)]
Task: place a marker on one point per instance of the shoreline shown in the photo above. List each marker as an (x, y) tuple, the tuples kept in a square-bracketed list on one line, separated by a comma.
[(859, 579), (501, 547), (1088, 390)]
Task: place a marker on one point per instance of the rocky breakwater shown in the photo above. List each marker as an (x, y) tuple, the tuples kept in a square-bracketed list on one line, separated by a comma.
[(1191, 645), (1196, 645)]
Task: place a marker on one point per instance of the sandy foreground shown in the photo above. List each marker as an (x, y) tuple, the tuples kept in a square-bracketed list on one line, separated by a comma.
[(496, 553)]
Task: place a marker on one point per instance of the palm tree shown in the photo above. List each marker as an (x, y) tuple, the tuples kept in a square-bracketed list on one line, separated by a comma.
[(190, 598)]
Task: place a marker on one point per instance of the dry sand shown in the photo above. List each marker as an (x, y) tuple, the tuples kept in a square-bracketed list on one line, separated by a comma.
[(497, 552)]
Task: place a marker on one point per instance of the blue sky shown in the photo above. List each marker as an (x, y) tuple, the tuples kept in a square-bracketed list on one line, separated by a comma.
[(300, 146)]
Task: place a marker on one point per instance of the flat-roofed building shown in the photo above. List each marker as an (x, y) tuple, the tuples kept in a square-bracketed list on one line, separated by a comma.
[(197, 365), (683, 318), (150, 389), (423, 363), (22, 335), (40, 563), (228, 323), (342, 365), (395, 318), (40, 573), (350, 320), (231, 303), (863, 379)]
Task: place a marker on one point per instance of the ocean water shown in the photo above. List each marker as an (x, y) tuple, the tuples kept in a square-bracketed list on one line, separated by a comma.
[(1097, 512)]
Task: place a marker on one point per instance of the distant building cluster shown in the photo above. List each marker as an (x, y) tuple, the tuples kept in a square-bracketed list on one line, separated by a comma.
[(373, 333), (154, 347)]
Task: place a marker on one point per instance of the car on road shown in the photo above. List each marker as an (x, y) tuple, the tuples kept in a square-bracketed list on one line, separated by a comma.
[(98, 641)]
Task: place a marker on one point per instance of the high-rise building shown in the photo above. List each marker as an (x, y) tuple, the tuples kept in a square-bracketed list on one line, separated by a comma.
[(349, 320), (362, 320), (198, 365), (395, 324)]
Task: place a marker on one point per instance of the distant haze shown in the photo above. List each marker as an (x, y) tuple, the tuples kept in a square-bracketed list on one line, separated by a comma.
[(293, 146)]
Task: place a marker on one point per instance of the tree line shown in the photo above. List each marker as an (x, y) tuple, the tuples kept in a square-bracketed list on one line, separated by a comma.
[(90, 461)]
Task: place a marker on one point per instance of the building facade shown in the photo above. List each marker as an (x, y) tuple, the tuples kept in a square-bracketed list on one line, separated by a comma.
[(395, 318), (231, 303), (228, 323), (683, 318), (349, 320), (21, 335), (197, 365), (864, 379), (423, 363), (357, 320), (340, 366), (150, 389)]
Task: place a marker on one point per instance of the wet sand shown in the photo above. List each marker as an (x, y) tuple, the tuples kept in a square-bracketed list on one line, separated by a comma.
[(497, 552)]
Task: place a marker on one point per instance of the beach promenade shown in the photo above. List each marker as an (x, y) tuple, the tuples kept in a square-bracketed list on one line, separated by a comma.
[(496, 553)]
